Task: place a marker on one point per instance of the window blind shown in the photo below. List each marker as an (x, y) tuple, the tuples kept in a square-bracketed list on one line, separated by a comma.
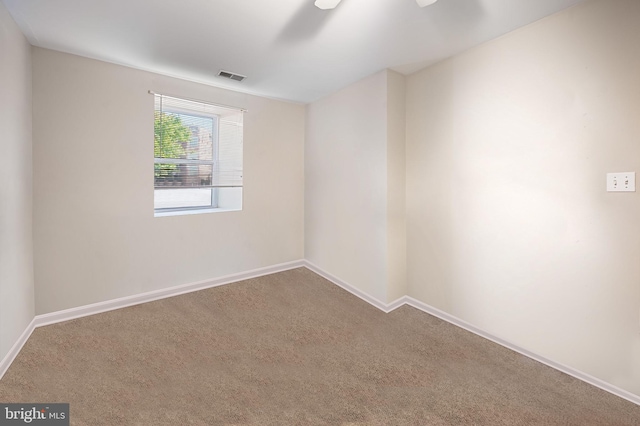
[(197, 144)]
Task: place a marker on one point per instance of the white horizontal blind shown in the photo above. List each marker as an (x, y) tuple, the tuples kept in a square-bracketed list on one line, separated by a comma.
[(196, 145)]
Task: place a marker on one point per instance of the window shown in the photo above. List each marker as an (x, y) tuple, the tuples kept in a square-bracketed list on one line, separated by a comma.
[(197, 157)]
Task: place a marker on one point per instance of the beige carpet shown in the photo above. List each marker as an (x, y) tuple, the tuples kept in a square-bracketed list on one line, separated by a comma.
[(292, 349)]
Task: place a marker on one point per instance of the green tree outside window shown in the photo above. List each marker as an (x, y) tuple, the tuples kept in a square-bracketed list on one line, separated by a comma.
[(169, 136)]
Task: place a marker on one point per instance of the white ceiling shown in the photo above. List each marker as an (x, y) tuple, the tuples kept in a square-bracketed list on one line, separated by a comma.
[(289, 49)]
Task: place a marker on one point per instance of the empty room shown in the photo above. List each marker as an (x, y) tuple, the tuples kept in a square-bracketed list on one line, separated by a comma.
[(319, 212)]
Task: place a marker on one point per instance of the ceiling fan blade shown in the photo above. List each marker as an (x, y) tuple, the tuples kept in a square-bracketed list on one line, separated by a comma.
[(326, 4), (423, 3)]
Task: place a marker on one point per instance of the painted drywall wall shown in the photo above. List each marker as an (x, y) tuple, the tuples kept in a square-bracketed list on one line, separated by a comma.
[(354, 176), (346, 184), (95, 234), (16, 239), (509, 226), (396, 187)]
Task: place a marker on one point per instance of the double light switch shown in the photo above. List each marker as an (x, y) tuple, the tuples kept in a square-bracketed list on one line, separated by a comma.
[(621, 182)]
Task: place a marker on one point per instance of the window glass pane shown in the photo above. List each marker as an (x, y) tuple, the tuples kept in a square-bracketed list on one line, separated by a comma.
[(182, 175), (183, 136), (181, 198), (197, 154)]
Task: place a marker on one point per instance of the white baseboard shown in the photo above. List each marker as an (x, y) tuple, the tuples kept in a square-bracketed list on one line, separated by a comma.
[(351, 289), (556, 365), (96, 308), (16, 348), (123, 302), (406, 300), (136, 299)]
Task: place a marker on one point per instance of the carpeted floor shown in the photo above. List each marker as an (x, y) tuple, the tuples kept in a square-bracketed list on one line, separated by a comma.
[(292, 349)]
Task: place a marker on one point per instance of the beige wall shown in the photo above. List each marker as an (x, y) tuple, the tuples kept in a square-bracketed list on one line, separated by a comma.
[(396, 187), (509, 226), (346, 185), (16, 246), (95, 234), (354, 173)]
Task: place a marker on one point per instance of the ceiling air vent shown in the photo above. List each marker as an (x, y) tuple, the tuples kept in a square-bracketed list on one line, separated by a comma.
[(232, 76)]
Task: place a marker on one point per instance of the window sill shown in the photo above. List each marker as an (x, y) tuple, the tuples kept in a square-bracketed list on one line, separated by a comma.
[(195, 211)]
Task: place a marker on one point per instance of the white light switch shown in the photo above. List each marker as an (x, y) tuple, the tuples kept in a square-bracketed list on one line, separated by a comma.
[(621, 182)]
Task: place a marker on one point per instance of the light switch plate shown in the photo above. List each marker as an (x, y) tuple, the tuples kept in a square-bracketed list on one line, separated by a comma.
[(621, 182)]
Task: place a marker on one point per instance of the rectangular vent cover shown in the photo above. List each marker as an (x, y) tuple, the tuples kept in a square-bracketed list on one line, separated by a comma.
[(232, 76)]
